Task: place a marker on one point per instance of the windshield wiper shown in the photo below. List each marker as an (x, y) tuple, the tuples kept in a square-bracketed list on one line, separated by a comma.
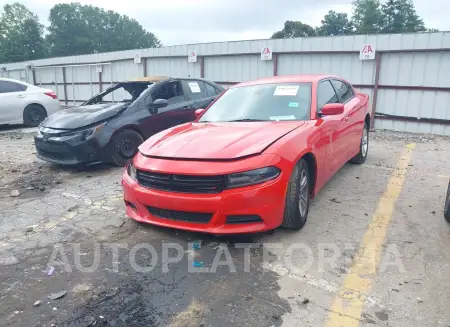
[(246, 119)]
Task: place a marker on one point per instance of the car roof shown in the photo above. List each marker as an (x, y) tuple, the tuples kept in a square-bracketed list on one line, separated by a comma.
[(310, 78), (156, 79), (150, 79)]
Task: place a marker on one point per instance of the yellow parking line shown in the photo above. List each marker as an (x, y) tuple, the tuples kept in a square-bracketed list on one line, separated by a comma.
[(348, 304)]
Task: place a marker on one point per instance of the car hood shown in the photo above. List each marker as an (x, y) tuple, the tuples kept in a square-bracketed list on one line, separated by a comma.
[(81, 116), (216, 141)]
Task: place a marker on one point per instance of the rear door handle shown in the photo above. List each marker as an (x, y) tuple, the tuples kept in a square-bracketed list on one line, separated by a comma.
[(21, 96)]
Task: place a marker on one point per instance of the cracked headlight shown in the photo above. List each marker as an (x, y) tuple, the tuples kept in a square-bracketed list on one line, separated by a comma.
[(132, 171), (252, 177), (87, 133)]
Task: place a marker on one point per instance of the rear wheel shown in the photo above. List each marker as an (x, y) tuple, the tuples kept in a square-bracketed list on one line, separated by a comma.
[(123, 146), (33, 115), (363, 147), (447, 205), (297, 197)]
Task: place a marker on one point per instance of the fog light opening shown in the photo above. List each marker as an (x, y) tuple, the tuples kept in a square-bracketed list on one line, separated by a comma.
[(131, 205)]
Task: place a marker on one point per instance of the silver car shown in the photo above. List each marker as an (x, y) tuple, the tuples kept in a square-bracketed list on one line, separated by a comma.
[(21, 102)]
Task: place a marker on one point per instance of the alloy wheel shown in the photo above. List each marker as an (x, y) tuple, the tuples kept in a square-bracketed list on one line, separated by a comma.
[(303, 194)]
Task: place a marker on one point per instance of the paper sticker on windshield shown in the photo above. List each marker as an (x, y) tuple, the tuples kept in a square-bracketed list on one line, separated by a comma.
[(277, 118), (286, 90), (293, 104), (195, 88)]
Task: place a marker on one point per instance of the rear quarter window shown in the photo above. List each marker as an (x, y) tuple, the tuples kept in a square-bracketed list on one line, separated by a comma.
[(344, 90)]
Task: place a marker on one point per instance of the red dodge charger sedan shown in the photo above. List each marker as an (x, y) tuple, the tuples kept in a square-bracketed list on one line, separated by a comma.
[(253, 160)]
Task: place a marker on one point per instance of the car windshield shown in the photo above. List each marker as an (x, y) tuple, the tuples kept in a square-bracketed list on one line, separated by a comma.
[(265, 102), (122, 92)]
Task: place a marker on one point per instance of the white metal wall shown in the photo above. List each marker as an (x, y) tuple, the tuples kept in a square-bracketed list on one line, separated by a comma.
[(237, 68), (420, 66), (346, 65), (172, 67)]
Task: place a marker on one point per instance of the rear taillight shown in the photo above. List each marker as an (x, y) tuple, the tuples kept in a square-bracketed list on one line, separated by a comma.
[(51, 94)]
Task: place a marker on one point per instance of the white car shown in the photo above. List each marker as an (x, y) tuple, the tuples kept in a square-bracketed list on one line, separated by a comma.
[(21, 102)]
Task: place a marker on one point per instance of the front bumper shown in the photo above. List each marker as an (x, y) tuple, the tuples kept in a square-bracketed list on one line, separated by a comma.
[(265, 201), (69, 152)]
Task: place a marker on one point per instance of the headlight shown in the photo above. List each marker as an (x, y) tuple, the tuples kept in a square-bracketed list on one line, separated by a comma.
[(132, 171), (252, 177), (86, 134)]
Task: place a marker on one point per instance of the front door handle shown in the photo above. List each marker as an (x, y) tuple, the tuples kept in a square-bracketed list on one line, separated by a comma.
[(346, 119)]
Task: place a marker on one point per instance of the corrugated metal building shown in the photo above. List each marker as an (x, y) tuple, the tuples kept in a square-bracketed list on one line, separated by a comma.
[(409, 80)]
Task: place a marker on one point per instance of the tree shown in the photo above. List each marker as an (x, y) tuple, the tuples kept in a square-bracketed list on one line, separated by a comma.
[(335, 24), (80, 29), (399, 16), (21, 34), (366, 16), (294, 29)]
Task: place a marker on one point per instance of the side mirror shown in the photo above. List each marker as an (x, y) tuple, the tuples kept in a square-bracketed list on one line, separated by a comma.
[(158, 103), (332, 109), (199, 112)]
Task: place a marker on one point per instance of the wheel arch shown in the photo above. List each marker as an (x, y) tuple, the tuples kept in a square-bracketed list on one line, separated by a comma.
[(124, 127), (311, 161), (35, 104), (367, 119)]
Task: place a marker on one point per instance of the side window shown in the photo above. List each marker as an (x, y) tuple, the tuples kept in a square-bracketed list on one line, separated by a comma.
[(21, 87), (171, 91), (344, 91), (8, 87), (195, 89), (326, 94), (212, 91)]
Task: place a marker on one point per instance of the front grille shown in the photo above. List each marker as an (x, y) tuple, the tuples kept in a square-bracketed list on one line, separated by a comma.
[(243, 219), (192, 217), (58, 156), (181, 183)]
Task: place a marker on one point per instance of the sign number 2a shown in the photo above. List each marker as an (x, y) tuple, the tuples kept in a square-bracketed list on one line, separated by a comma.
[(367, 52)]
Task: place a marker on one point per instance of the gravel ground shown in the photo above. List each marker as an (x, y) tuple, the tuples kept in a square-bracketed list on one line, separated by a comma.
[(71, 212)]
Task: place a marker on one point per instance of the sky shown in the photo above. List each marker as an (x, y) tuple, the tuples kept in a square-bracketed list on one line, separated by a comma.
[(195, 21)]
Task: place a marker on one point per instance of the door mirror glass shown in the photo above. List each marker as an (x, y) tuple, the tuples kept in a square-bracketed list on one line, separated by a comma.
[(158, 103), (199, 112), (331, 109)]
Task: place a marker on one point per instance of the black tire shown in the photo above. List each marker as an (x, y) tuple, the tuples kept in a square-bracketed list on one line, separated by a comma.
[(33, 115), (294, 217), (363, 147), (123, 146), (447, 205)]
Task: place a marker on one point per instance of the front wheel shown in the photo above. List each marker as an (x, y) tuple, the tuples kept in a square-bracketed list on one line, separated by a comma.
[(124, 146), (297, 197), (447, 205), (363, 147)]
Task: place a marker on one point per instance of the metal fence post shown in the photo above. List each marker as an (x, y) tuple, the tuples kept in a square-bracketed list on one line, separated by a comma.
[(73, 86), (56, 82), (375, 88), (90, 80), (111, 70), (64, 84)]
